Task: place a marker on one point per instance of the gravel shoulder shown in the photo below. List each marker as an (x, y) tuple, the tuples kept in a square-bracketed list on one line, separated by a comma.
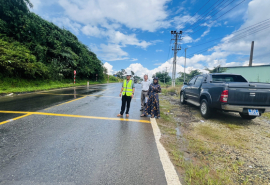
[(225, 149)]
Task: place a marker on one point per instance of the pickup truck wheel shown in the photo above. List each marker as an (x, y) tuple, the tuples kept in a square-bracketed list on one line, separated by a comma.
[(246, 116), (182, 98), (205, 109)]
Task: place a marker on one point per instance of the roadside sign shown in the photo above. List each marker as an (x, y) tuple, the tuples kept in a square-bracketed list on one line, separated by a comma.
[(74, 76)]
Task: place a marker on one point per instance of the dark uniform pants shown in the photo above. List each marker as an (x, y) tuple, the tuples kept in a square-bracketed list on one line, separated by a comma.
[(125, 100)]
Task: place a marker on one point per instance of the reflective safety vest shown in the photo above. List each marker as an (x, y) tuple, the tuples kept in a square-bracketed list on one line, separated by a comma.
[(127, 88)]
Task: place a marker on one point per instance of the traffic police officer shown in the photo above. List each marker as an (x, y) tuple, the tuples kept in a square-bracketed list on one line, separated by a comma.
[(127, 92)]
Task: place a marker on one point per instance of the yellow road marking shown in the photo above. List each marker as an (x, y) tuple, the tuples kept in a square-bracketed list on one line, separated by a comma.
[(3, 122), (74, 116)]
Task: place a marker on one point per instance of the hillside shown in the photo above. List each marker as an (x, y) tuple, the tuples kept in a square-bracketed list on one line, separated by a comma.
[(33, 48)]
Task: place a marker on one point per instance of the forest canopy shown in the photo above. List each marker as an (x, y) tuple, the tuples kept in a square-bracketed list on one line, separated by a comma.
[(31, 47)]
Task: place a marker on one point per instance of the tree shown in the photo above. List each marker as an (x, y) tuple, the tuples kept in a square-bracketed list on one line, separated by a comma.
[(105, 70), (137, 78), (189, 76), (58, 49), (162, 76), (121, 74), (216, 69)]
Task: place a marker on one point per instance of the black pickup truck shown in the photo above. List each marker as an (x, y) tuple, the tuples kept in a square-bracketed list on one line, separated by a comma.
[(226, 92)]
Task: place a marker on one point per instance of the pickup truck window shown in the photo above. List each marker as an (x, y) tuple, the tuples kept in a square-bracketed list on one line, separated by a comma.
[(228, 78), (199, 81), (191, 82)]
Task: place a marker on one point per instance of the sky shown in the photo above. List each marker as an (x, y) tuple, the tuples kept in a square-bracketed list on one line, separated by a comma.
[(136, 34)]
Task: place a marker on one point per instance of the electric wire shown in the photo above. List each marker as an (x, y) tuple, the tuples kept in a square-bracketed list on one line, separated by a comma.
[(244, 30), (202, 16), (209, 14), (221, 15), (195, 13), (214, 14), (236, 39)]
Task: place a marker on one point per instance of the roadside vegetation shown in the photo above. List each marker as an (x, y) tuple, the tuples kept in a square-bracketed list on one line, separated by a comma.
[(36, 54), (17, 85), (225, 149), (167, 89)]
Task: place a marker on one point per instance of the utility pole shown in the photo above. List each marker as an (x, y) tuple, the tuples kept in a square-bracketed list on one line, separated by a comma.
[(185, 65), (251, 53), (177, 36)]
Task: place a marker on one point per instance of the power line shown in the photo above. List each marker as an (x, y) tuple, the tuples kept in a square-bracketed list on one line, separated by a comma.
[(206, 49), (222, 15), (202, 16), (208, 15), (196, 12), (216, 13), (259, 24)]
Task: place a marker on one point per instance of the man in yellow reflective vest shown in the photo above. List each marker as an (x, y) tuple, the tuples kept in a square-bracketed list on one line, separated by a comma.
[(127, 93)]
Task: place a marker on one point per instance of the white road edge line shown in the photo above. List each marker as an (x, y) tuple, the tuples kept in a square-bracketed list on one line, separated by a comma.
[(170, 172)]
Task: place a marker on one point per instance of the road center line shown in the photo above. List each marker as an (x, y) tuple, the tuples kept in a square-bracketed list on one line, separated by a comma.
[(3, 122), (170, 173), (74, 116)]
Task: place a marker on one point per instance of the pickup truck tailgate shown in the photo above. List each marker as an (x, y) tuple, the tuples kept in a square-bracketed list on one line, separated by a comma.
[(249, 94)]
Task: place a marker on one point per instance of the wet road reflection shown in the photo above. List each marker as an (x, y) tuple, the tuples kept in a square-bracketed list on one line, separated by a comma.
[(38, 101)]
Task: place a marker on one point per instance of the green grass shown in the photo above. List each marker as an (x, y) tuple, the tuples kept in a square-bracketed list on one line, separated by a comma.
[(267, 115), (199, 173), (222, 136), (16, 85), (168, 90), (202, 141)]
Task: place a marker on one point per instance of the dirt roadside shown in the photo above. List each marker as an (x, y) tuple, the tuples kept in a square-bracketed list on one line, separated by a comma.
[(225, 149)]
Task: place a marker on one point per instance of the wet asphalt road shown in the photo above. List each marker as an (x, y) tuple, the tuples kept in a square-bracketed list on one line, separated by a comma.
[(45, 149)]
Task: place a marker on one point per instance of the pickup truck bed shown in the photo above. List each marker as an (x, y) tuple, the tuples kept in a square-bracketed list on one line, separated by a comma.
[(227, 92)]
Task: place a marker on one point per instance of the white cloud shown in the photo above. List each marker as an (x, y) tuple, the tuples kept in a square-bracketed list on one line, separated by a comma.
[(181, 21), (109, 68), (110, 52), (134, 59), (140, 14), (67, 23), (140, 70), (257, 11), (187, 39), (92, 31), (116, 37), (159, 50)]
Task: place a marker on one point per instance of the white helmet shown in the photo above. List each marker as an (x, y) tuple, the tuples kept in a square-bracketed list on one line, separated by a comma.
[(128, 74)]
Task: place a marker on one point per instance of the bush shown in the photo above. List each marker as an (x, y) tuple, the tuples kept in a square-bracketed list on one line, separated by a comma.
[(17, 61)]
